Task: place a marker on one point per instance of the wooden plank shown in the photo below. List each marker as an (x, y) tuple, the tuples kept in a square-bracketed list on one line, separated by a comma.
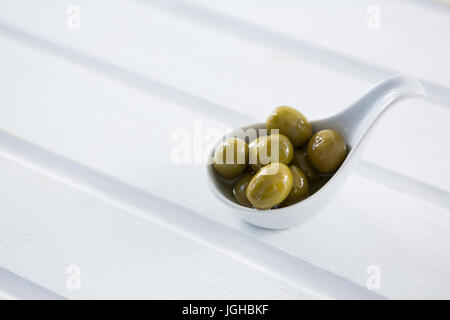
[(226, 78), (118, 236), (366, 39), (119, 256), (118, 131)]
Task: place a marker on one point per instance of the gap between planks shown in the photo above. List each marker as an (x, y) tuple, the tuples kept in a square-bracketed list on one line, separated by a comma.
[(14, 287)]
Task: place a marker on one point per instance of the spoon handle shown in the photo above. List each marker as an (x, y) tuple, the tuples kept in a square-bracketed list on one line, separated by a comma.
[(358, 119)]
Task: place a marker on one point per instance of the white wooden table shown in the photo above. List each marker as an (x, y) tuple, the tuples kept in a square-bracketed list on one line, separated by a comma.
[(86, 121)]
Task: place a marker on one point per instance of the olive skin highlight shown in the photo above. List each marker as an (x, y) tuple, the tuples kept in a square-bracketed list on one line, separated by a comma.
[(231, 158), (240, 190), (327, 150), (260, 151), (300, 187), (270, 186), (291, 123)]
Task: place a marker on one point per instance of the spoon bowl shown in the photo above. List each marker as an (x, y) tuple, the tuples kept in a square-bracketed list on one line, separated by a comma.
[(355, 123)]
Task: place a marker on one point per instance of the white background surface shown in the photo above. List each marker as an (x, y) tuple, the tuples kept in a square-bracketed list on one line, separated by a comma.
[(86, 118)]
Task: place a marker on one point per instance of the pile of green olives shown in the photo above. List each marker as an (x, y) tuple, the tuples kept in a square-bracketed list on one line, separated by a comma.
[(283, 167)]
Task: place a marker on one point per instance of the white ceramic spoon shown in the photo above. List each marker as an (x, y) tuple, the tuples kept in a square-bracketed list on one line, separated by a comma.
[(354, 123)]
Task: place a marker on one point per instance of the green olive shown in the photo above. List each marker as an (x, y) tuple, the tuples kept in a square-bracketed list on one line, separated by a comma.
[(300, 186), (291, 123), (270, 186), (260, 151), (240, 189), (327, 150), (231, 158), (302, 161)]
